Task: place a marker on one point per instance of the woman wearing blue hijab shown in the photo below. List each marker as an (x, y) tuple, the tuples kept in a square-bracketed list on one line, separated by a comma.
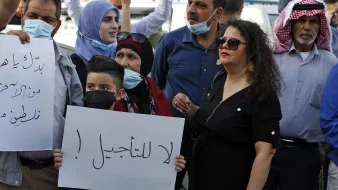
[(96, 35)]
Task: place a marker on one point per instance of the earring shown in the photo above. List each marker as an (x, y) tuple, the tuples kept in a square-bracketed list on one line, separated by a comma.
[(218, 62), (251, 67)]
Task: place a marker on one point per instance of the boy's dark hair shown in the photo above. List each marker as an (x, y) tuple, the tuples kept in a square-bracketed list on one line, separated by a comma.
[(103, 64)]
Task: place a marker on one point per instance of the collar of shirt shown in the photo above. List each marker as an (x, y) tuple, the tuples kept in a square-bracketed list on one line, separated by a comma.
[(60, 57), (313, 52), (189, 37)]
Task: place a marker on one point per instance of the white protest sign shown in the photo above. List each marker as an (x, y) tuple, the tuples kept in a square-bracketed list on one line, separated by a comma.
[(108, 150), (26, 94)]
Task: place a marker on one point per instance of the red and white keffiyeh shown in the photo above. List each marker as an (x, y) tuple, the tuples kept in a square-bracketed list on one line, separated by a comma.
[(282, 26)]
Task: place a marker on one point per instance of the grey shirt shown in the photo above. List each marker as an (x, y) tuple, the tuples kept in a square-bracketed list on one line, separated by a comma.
[(301, 92)]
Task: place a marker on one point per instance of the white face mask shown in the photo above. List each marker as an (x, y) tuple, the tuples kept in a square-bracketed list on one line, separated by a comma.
[(200, 28), (36, 28)]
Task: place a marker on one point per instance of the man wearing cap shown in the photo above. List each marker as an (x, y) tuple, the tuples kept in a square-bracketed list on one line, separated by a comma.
[(302, 51)]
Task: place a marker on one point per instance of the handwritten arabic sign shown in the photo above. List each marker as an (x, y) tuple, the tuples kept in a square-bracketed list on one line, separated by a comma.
[(115, 150), (26, 94)]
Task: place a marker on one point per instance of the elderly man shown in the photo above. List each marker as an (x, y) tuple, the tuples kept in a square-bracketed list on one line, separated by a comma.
[(302, 52), (331, 13), (34, 170), (7, 10), (146, 26)]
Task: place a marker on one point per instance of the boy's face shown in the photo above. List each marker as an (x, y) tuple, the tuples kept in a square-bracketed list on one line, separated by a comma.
[(103, 82), (100, 81)]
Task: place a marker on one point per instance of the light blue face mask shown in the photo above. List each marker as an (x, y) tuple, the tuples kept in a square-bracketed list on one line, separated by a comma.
[(200, 28), (99, 44), (36, 28), (131, 79)]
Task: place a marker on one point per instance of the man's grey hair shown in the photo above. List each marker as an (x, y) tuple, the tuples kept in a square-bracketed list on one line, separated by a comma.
[(56, 2)]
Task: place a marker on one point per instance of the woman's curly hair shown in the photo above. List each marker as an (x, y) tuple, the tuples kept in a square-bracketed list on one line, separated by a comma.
[(265, 78)]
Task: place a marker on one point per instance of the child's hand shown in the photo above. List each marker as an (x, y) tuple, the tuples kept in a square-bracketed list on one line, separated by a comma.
[(180, 163), (57, 158)]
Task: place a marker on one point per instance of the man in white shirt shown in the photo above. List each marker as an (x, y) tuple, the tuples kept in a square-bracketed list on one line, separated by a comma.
[(146, 26)]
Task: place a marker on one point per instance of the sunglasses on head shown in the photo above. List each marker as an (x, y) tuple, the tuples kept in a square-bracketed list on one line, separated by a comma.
[(135, 36), (232, 43)]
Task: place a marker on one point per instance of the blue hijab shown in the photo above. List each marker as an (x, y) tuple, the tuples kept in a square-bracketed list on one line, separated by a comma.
[(89, 25)]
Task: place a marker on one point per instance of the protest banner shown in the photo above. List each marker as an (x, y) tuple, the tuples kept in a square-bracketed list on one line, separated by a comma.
[(26, 94), (119, 151)]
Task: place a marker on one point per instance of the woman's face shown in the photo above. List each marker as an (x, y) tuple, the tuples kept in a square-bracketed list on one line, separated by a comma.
[(108, 27), (128, 59), (229, 52)]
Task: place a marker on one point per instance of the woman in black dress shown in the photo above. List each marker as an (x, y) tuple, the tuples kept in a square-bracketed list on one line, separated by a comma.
[(238, 121)]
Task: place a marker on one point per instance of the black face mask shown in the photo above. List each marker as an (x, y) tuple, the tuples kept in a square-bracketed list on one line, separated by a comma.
[(99, 99)]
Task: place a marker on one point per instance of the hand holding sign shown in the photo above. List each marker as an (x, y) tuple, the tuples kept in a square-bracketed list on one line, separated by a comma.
[(23, 36)]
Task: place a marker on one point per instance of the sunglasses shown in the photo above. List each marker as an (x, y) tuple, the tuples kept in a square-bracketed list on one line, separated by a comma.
[(233, 43), (135, 36)]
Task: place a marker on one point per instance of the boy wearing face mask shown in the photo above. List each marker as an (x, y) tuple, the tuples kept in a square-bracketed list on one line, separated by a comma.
[(104, 83), (104, 87)]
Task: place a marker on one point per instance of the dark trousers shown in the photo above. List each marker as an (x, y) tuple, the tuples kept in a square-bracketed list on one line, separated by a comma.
[(295, 168), (186, 151)]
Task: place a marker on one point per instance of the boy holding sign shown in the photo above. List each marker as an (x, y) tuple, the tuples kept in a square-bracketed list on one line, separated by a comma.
[(104, 87)]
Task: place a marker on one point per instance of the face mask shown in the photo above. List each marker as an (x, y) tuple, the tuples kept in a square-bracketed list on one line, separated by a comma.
[(200, 28), (36, 28), (99, 99), (99, 44), (131, 79)]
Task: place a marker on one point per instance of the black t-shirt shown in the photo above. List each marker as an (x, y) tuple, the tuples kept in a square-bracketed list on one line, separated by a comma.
[(225, 150)]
